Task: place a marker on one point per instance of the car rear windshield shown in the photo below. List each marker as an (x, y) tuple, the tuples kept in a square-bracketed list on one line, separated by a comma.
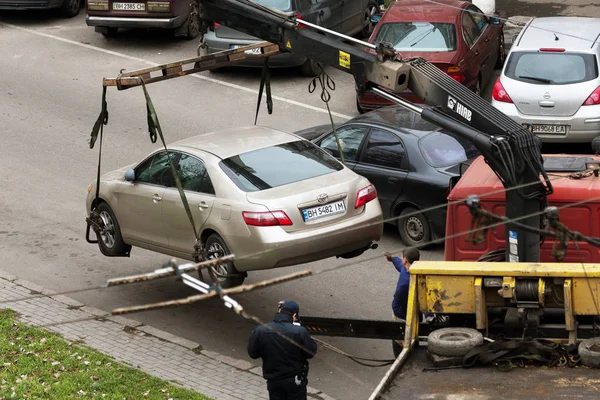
[(442, 150), (418, 36), (278, 165), (551, 68), (282, 5)]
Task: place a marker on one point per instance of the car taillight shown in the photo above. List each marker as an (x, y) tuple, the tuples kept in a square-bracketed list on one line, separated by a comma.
[(216, 25), (456, 73), (365, 195), (499, 93), (298, 16), (267, 218), (594, 98)]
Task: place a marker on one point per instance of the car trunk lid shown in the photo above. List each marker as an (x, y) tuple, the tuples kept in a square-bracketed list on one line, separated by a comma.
[(335, 195), (550, 82)]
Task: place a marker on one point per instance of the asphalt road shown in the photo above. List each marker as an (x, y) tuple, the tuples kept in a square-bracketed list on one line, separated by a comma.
[(50, 90)]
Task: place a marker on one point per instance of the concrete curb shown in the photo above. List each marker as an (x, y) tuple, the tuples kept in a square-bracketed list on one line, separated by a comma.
[(34, 292)]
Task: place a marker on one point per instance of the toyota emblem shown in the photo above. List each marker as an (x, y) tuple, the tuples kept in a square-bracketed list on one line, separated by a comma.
[(547, 95), (322, 198)]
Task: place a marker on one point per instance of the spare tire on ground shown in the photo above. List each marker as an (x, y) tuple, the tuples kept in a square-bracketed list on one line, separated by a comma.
[(453, 342), (589, 351)]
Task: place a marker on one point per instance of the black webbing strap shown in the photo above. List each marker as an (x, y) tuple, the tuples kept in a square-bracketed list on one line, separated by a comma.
[(265, 84), (99, 129), (155, 130)]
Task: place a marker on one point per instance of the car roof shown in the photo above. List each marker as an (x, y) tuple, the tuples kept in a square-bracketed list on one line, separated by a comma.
[(397, 118), (230, 142), (420, 10), (574, 33)]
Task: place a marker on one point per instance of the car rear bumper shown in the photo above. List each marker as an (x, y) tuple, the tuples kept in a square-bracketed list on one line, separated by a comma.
[(272, 247), (582, 127), (283, 60), (132, 22), (29, 4)]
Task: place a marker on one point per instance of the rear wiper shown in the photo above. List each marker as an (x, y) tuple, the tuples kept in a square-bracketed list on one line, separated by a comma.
[(536, 78)]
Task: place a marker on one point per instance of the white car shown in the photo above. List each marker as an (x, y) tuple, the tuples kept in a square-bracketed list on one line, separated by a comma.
[(550, 82)]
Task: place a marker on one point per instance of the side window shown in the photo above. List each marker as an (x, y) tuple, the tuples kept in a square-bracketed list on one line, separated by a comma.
[(481, 21), (194, 176), (470, 31), (385, 149), (156, 170), (350, 139)]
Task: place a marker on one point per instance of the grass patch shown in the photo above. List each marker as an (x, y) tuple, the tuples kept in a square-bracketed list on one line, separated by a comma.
[(37, 364)]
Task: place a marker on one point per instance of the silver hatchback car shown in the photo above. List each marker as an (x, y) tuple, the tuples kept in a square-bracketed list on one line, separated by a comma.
[(550, 82), (270, 197)]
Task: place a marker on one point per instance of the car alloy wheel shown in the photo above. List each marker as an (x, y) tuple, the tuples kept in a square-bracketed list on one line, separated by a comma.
[(415, 229), (193, 22), (219, 272), (368, 25), (107, 235)]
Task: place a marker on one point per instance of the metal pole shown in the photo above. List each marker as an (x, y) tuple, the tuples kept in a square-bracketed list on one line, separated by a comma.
[(391, 373), (404, 103), (334, 33)]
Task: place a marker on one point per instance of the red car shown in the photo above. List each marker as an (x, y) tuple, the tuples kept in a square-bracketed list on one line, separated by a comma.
[(454, 35)]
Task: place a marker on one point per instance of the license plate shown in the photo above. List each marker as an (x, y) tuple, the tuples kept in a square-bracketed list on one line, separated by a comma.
[(251, 51), (310, 214), (551, 129), (129, 6)]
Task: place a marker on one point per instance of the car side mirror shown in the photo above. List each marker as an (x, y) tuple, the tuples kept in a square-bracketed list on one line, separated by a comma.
[(495, 20), (130, 175)]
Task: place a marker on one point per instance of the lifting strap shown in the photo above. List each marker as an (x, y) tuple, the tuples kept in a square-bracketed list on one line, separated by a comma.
[(155, 130), (265, 83)]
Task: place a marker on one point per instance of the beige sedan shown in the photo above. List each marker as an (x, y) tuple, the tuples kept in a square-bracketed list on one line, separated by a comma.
[(270, 197)]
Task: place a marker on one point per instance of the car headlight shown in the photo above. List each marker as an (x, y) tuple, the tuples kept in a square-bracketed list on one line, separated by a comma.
[(159, 6), (98, 5)]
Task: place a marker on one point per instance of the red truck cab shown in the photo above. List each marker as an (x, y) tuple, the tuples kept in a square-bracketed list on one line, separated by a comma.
[(576, 194)]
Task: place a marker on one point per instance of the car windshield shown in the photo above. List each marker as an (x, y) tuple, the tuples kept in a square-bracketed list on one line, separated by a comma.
[(418, 36), (557, 68), (445, 150), (282, 5), (278, 165)]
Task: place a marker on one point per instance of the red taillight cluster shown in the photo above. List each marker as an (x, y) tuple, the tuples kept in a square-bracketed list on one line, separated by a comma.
[(456, 73), (267, 218), (594, 98), (499, 93), (216, 25), (365, 195), (298, 16)]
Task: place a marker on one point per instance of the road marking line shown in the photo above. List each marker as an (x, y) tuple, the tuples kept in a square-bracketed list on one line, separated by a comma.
[(150, 63)]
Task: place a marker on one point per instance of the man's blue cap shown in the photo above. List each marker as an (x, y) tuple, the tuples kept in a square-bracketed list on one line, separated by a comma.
[(289, 306)]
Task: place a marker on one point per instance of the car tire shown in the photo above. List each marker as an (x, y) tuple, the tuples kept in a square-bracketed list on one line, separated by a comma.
[(70, 8), (414, 228), (501, 52), (453, 342), (191, 27), (310, 68), (359, 108), (216, 247), (368, 26), (110, 32), (589, 351), (478, 87), (111, 241)]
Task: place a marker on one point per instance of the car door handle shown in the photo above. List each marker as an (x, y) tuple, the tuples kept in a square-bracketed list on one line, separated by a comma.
[(392, 180), (156, 198), (202, 206)]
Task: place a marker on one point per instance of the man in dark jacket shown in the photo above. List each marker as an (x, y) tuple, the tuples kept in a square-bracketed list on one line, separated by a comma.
[(285, 348)]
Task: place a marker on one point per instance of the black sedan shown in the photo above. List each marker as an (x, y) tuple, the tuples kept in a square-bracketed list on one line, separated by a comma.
[(411, 162)]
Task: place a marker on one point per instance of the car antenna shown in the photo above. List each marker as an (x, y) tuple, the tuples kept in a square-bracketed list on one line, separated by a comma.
[(555, 37)]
